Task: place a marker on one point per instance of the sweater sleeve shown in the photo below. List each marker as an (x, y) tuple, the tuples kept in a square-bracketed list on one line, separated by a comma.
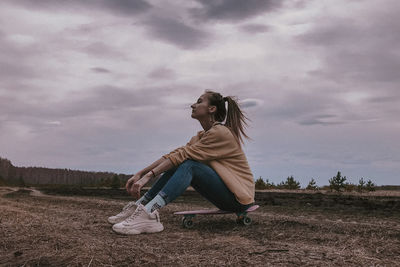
[(214, 144)]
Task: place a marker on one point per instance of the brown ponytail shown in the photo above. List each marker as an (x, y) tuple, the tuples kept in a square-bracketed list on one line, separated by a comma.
[(234, 117)]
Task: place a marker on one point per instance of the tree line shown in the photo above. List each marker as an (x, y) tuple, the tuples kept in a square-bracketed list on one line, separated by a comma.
[(22, 176), (337, 183)]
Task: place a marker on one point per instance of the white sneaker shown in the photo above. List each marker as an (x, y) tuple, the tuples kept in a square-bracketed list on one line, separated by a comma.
[(127, 211), (140, 222)]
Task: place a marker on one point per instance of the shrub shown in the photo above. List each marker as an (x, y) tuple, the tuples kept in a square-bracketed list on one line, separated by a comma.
[(260, 184), (361, 185), (370, 186), (269, 185), (349, 187), (312, 185), (290, 184), (337, 182)]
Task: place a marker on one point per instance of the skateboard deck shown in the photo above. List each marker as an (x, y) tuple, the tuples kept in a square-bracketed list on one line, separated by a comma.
[(187, 220)]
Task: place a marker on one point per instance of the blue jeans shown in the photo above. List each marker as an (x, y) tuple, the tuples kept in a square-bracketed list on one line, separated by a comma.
[(203, 179)]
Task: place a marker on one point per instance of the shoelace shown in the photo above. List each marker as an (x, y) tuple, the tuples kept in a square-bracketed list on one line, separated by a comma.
[(130, 204), (134, 215)]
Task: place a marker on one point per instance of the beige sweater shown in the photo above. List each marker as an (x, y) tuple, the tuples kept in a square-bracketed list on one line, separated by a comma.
[(219, 149)]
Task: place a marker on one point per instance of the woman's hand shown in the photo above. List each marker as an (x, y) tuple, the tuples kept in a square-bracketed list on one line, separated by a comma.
[(137, 186), (132, 180)]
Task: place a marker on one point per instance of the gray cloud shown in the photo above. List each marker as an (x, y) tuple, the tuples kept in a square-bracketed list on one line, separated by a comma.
[(162, 73), (100, 70), (383, 99), (120, 7), (295, 105), (101, 49), (233, 10), (11, 69), (105, 99), (127, 7), (248, 103), (321, 120), (322, 106), (255, 28), (367, 66), (176, 32), (359, 49), (16, 66), (359, 56), (77, 104)]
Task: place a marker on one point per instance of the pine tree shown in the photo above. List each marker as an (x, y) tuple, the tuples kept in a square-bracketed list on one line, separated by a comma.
[(290, 184), (312, 185), (260, 184), (361, 185), (269, 185), (370, 186), (337, 182)]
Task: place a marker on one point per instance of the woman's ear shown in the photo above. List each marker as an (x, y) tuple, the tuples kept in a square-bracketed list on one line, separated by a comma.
[(212, 109)]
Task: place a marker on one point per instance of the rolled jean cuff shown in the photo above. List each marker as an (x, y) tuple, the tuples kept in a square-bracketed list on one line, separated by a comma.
[(147, 197), (164, 196)]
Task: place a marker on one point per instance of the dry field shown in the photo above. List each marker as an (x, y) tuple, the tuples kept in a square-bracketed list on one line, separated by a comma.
[(44, 230)]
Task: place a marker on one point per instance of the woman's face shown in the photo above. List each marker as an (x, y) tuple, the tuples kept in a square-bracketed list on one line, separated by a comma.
[(201, 109)]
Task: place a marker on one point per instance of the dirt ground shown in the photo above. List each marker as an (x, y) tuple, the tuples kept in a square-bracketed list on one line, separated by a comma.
[(44, 230)]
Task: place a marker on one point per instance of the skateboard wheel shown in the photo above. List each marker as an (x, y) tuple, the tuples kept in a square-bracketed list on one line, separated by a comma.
[(246, 221), (187, 223)]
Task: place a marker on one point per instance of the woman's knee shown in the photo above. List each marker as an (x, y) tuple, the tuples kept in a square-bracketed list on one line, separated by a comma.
[(190, 161), (187, 163)]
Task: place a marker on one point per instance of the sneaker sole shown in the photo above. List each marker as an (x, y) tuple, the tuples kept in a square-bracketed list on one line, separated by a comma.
[(154, 229)]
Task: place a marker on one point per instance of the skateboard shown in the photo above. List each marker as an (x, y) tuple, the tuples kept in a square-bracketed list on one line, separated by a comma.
[(187, 220)]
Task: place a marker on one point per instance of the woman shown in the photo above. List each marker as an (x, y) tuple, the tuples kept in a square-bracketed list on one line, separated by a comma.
[(212, 162)]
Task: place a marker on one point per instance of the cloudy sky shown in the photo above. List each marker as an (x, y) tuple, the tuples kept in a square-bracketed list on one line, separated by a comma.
[(104, 85)]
